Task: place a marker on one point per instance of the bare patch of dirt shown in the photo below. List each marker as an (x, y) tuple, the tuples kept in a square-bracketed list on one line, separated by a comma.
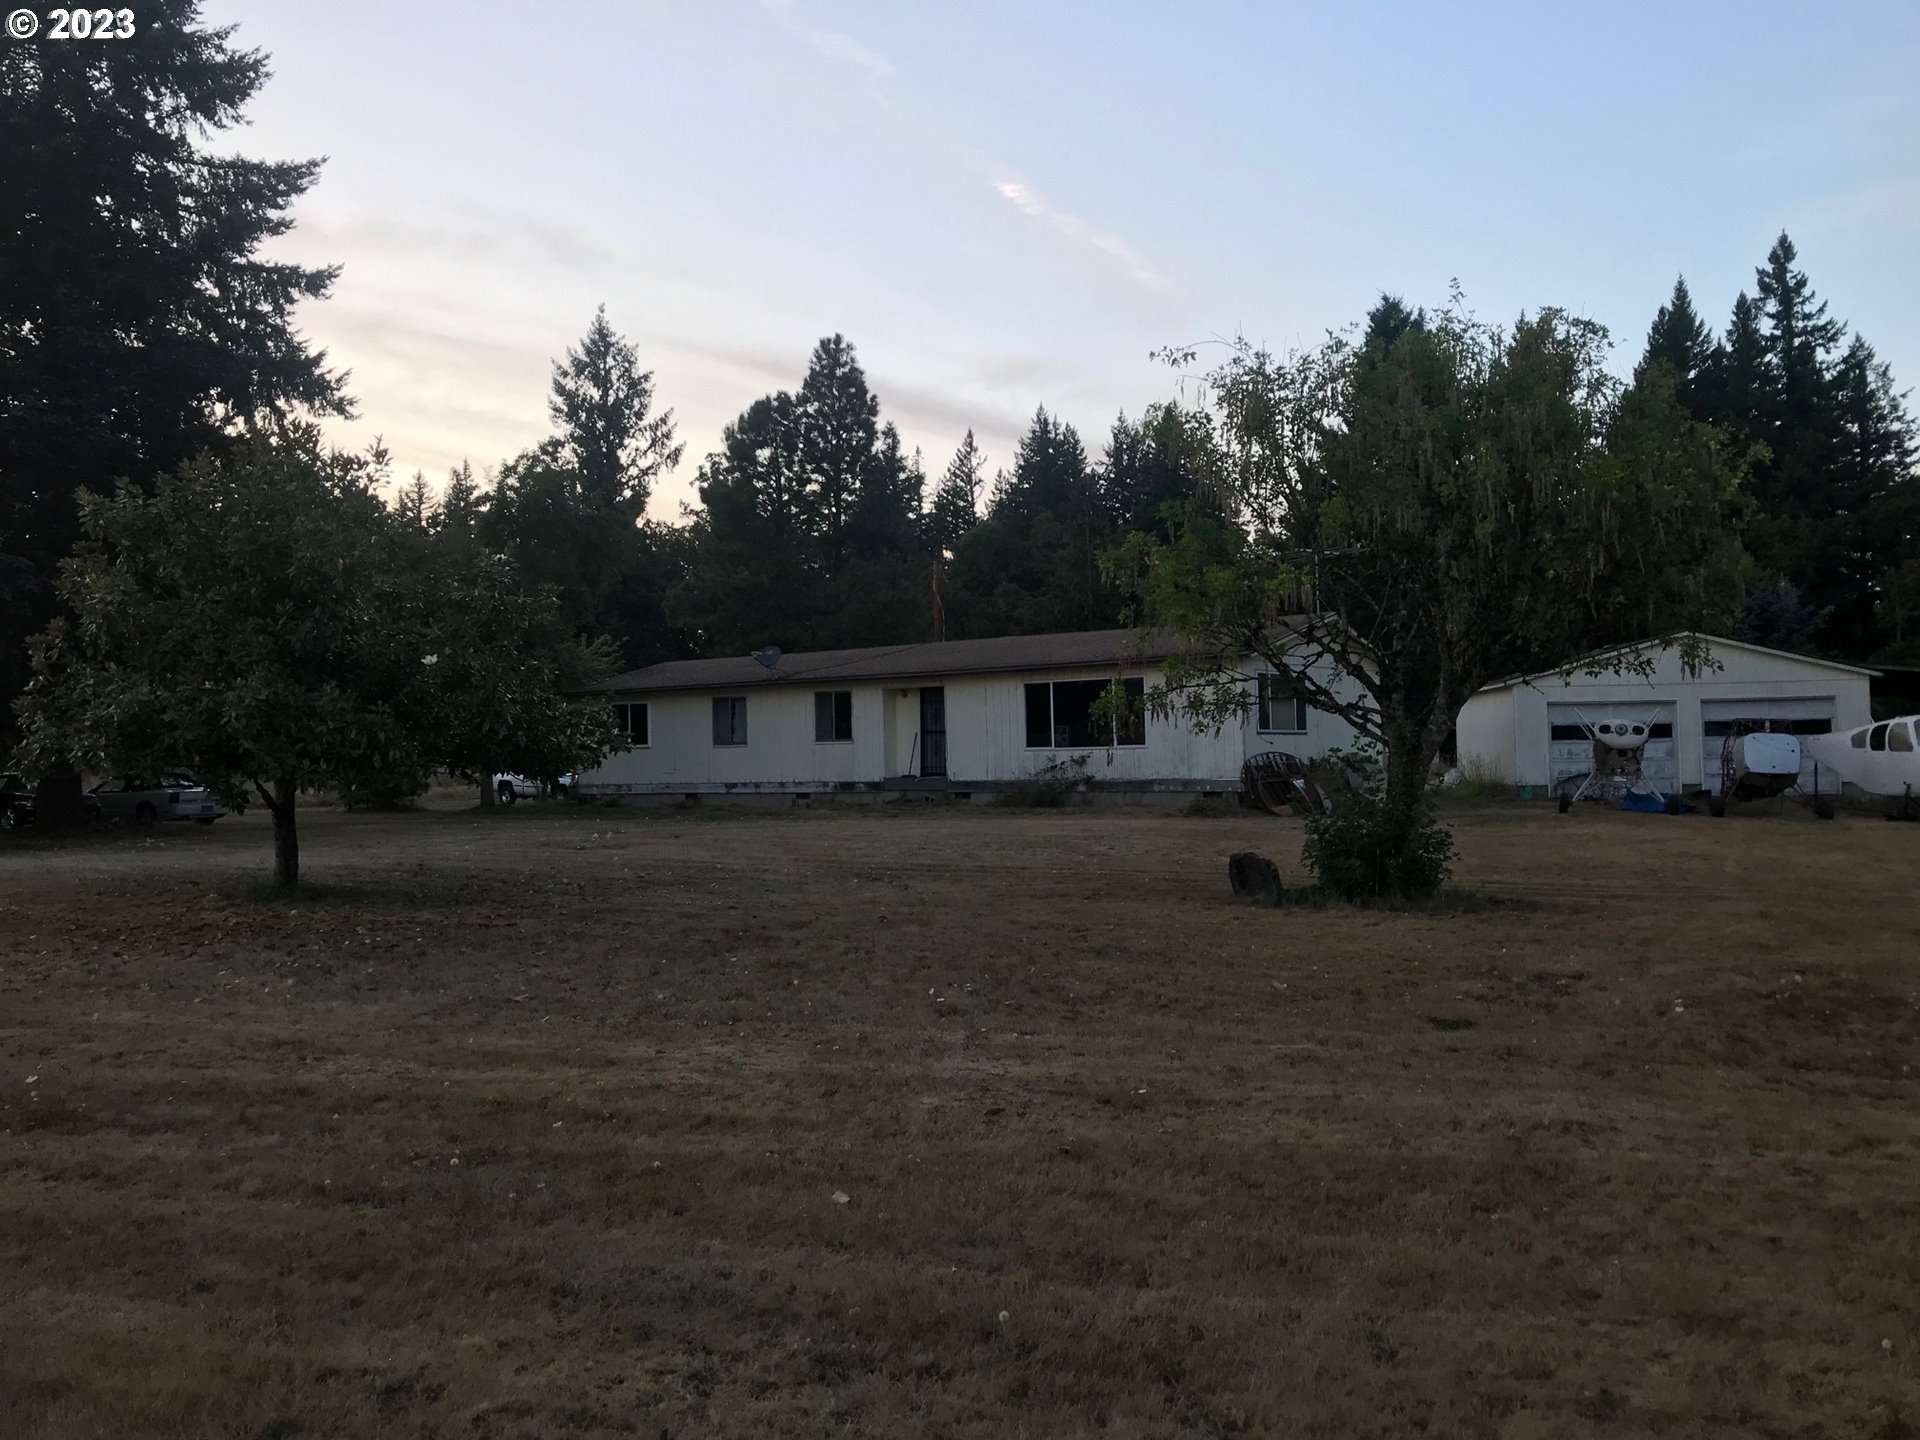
[(589, 1122)]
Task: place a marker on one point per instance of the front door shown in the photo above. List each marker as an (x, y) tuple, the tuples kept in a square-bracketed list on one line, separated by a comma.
[(933, 731)]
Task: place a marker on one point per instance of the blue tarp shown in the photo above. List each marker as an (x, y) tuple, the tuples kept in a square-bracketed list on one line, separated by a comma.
[(1647, 803)]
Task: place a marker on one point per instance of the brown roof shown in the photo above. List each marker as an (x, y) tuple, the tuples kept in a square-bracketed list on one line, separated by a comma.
[(1078, 649)]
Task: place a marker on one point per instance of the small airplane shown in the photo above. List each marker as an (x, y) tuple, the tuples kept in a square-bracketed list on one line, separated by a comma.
[(1882, 758), (1617, 762)]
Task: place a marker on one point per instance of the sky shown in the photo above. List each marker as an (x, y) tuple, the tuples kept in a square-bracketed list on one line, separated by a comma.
[(1013, 203)]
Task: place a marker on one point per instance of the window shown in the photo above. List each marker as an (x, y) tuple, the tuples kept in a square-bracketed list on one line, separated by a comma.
[(631, 721), (1859, 741), (1661, 731), (1061, 714), (729, 719), (1282, 711), (1712, 728), (1899, 737), (832, 715), (1878, 739)]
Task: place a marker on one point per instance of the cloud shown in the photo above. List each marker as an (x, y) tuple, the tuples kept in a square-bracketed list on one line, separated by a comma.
[(1027, 201), (836, 46), (832, 44)]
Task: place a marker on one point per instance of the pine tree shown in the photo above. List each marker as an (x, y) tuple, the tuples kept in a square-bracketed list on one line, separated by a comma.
[(1801, 336), (414, 503), (1876, 512), (1680, 339), (1034, 564), (751, 580), (601, 403), (839, 433), (1153, 476), (956, 504)]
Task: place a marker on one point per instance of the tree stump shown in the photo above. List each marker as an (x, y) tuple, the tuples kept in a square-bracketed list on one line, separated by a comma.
[(1253, 878)]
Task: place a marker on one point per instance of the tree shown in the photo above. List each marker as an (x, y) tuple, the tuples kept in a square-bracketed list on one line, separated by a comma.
[(837, 420), (138, 320), (1680, 339), (809, 532), (751, 582), (602, 406), (1034, 564), (262, 619), (570, 511), (1436, 505), (1873, 518), (1832, 458), (1774, 615), (1152, 479), (956, 503)]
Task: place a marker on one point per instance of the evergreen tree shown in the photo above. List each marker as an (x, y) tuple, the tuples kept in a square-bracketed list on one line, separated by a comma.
[(138, 320), (751, 580), (1776, 616), (569, 511), (1875, 520), (601, 405), (956, 504), (463, 504), (839, 432), (1679, 338), (1153, 478), (809, 530), (1034, 564)]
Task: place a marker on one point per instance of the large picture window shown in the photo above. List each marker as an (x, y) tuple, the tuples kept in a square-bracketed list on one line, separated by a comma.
[(1282, 711), (631, 720), (1061, 714), (729, 719), (832, 715)]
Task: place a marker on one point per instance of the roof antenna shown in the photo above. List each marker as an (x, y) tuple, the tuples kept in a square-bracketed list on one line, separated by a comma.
[(768, 657)]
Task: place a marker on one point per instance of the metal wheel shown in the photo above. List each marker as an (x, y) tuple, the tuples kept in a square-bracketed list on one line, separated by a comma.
[(507, 797)]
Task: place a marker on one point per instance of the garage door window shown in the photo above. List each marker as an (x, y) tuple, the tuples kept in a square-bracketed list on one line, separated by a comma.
[(1713, 728), (1661, 731)]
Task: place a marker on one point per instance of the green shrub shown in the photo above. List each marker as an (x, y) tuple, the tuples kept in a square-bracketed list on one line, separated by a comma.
[(1365, 853)]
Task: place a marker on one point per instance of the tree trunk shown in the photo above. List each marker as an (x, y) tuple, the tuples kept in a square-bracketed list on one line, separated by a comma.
[(286, 839), (489, 797)]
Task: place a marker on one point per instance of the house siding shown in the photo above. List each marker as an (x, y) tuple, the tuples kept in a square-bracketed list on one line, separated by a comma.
[(986, 741)]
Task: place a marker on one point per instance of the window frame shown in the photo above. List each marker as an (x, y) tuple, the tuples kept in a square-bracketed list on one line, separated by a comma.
[(741, 701), (1135, 687), (625, 722), (832, 716), (1263, 705)]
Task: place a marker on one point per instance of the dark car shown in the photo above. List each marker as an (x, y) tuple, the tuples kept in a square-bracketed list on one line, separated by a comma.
[(16, 804)]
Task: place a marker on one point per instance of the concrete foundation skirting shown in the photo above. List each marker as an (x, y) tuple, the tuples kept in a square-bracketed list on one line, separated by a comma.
[(907, 790)]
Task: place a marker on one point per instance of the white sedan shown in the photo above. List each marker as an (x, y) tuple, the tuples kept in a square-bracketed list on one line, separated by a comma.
[(176, 796)]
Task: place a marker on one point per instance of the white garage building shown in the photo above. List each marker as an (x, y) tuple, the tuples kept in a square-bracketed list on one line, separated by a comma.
[(1532, 730)]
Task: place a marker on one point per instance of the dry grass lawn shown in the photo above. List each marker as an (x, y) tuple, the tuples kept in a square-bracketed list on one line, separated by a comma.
[(578, 1122)]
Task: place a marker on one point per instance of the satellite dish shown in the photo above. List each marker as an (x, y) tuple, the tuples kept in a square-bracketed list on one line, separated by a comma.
[(768, 657)]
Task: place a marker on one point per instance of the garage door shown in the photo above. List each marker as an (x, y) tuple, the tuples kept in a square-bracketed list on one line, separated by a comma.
[(1809, 715), (1570, 756)]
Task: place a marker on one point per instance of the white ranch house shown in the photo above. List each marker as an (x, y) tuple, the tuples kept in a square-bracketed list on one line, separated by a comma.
[(965, 718), (1529, 730)]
